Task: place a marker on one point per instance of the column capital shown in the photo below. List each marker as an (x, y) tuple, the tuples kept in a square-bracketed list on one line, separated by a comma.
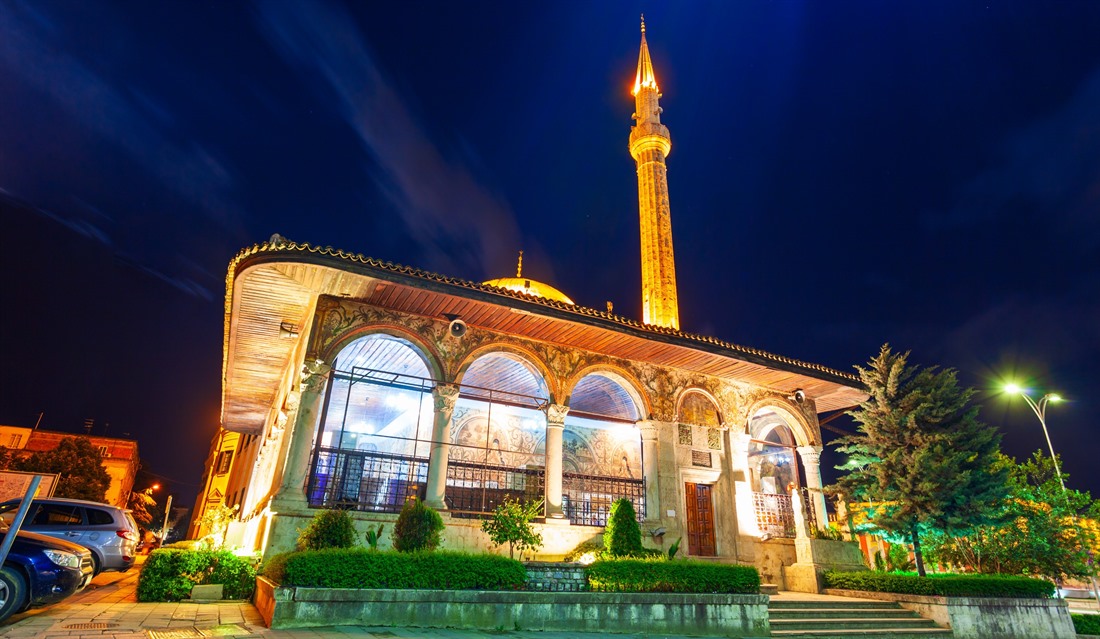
[(555, 414), (314, 375), (648, 429), (810, 454), (445, 396)]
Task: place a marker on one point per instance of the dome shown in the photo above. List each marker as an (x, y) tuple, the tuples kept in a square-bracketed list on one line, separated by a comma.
[(530, 287)]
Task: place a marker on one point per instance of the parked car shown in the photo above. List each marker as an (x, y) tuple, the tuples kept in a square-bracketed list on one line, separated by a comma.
[(108, 531), (40, 570)]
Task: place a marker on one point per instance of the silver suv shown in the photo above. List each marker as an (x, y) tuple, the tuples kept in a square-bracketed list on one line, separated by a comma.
[(108, 531)]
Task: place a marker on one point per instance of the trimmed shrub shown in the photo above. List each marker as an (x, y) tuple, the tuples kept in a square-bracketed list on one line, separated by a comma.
[(170, 574), (274, 567), (418, 528), (1086, 624), (642, 575), (594, 546), (622, 537), (363, 568), (328, 529), (942, 585)]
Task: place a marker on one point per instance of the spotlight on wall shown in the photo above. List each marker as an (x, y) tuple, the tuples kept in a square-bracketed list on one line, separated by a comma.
[(288, 330), (658, 532)]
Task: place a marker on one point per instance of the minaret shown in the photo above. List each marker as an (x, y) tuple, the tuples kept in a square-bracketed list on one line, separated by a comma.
[(650, 144)]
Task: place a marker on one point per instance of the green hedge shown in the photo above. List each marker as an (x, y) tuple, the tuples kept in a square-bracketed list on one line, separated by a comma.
[(942, 585), (1086, 624), (642, 575), (169, 574), (363, 568)]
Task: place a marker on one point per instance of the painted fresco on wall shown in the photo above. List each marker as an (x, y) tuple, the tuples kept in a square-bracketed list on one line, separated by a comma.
[(498, 435), (606, 450)]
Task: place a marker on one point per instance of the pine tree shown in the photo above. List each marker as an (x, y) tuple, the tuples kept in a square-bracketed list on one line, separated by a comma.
[(922, 454)]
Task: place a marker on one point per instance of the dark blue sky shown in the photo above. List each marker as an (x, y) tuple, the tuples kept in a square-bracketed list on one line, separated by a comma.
[(843, 174)]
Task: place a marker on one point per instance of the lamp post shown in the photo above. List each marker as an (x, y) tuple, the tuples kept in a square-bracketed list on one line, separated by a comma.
[(1040, 410)]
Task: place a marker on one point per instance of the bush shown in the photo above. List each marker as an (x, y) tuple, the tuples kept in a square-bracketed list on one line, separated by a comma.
[(942, 585), (593, 546), (641, 575), (622, 537), (274, 567), (1086, 624), (511, 524), (170, 574), (363, 568), (329, 529), (418, 528)]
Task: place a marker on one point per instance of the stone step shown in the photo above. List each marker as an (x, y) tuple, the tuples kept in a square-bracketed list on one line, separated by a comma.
[(916, 633), (852, 623), (824, 613), (779, 604), (769, 589)]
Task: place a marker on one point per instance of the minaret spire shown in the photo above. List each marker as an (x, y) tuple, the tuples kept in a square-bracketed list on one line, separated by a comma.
[(650, 145)]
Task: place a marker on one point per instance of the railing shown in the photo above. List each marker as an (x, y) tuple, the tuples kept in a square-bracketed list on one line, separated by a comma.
[(587, 499), (774, 514), (475, 490), (362, 480)]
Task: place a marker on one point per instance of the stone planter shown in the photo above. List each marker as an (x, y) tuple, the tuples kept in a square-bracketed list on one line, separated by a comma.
[(984, 617), (658, 613)]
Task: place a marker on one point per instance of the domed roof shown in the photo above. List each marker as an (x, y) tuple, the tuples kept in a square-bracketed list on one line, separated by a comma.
[(527, 286)]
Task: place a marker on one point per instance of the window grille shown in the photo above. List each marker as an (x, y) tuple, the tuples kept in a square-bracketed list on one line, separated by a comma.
[(587, 499), (361, 480), (774, 514), (474, 490)]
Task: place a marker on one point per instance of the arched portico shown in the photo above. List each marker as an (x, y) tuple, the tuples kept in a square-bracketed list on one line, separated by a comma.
[(779, 437)]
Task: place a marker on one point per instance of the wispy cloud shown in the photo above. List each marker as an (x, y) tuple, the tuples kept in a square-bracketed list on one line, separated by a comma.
[(461, 223)]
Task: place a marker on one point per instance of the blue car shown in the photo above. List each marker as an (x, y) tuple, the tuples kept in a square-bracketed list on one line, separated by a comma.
[(41, 570)]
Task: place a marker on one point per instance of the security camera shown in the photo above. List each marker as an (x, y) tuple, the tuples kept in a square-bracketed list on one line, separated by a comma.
[(800, 396), (457, 328)]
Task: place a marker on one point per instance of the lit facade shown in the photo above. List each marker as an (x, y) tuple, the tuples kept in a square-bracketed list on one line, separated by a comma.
[(356, 384)]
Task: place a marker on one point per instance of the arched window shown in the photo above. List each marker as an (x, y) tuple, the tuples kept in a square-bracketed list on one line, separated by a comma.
[(601, 456), (373, 443), (773, 467), (498, 435)]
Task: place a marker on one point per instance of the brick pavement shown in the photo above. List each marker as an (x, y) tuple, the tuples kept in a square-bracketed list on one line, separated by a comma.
[(108, 609)]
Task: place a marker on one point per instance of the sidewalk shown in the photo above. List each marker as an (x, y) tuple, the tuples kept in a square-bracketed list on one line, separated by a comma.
[(108, 609)]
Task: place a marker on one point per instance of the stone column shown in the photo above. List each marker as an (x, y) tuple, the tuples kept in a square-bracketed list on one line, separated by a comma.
[(292, 490), (811, 463), (555, 428), (445, 396), (650, 470)]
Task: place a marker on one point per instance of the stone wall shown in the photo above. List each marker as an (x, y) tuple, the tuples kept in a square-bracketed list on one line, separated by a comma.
[(985, 617), (556, 577), (627, 613)]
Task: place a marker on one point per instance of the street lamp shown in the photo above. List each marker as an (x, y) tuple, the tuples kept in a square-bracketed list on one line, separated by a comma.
[(1040, 410)]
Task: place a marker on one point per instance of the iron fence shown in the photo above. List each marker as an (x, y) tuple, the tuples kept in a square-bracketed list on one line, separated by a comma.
[(774, 514), (364, 480), (475, 490), (587, 499)]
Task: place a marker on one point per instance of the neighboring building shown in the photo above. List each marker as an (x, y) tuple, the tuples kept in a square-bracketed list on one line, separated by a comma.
[(120, 456), (356, 384)]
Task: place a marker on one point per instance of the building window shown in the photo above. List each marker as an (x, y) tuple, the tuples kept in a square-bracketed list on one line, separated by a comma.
[(225, 460), (15, 441), (103, 451)]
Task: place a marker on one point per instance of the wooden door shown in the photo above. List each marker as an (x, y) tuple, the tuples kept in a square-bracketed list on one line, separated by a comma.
[(700, 524)]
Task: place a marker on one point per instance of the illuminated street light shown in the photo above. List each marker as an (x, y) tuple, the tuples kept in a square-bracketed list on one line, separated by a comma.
[(1040, 410)]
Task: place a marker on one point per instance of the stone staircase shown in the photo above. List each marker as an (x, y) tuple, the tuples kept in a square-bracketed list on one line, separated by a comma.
[(836, 618)]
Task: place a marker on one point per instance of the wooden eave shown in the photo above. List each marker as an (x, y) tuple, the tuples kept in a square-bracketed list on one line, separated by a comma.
[(279, 281)]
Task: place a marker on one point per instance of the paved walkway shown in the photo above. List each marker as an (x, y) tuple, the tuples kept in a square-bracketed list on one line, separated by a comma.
[(108, 609)]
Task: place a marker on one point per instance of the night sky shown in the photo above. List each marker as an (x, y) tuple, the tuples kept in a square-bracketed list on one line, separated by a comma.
[(843, 174)]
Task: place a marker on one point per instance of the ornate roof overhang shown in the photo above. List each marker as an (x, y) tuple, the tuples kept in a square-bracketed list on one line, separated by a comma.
[(272, 289)]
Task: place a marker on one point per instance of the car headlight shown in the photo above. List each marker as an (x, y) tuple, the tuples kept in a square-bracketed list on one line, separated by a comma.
[(64, 559)]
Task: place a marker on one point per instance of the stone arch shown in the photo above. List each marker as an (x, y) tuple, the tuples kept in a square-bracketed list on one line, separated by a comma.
[(528, 359), (427, 354), (685, 399), (805, 433), (628, 384)]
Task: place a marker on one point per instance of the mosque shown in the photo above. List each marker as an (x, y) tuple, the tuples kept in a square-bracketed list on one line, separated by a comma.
[(356, 384)]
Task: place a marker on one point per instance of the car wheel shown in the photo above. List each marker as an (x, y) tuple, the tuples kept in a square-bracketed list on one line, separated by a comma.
[(13, 591), (96, 563)]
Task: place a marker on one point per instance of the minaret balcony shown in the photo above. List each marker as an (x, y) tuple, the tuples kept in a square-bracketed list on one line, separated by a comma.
[(648, 137)]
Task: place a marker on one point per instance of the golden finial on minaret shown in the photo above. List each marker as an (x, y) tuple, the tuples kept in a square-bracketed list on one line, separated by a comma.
[(519, 266), (650, 144)]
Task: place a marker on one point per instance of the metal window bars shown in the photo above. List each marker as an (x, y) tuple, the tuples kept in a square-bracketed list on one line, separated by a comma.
[(587, 499)]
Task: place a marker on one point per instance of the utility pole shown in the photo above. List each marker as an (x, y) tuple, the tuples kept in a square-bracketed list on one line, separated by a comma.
[(164, 526)]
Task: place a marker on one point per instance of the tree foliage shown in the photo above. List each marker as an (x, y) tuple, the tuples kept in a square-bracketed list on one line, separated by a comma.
[(1046, 531), (79, 464), (921, 454), (142, 505), (622, 537), (511, 524), (216, 519)]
